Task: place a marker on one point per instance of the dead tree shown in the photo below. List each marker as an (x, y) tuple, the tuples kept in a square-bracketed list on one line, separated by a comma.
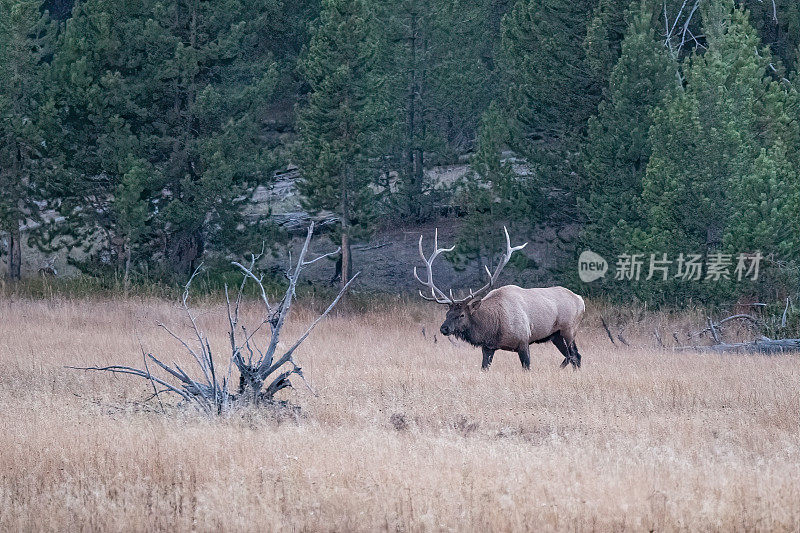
[(262, 371), (761, 344), (677, 34), (680, 27)]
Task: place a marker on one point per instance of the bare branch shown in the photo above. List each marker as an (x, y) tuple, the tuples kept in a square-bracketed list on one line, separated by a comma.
[(189, 349), (249, 337), (785, 312), (323, 256), (118, 369), (249, 273), (150, 377), (287, 301), (713, 331), (715, 326), (365, 247), (288, 355), (686, 23), (658, 337)]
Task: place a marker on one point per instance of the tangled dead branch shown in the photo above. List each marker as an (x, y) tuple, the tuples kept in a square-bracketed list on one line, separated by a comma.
[(262, 372), (760, 344), (714, 328)]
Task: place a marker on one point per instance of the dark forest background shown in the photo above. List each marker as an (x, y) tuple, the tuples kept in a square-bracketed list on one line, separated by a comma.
[(134, 132)]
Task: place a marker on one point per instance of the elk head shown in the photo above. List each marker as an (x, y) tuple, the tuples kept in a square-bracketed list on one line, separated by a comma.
[(459, 312)]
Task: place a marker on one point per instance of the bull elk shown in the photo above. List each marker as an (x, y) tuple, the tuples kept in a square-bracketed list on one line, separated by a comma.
[(508, 317)]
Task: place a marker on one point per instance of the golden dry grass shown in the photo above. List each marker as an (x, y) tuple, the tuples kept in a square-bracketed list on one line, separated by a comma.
[(404, 434)]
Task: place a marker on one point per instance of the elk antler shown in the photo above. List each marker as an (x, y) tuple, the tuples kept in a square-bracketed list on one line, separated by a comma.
[(440, 297), (436, 295), (493, 277)]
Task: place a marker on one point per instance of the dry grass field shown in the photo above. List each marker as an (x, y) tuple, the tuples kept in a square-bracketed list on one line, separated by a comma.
[(404, 434)]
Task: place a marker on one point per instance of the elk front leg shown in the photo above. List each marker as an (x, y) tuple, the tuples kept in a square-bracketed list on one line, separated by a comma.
[(488, 354), (525, 356)]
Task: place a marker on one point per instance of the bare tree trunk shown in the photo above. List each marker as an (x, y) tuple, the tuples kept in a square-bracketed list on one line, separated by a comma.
[(346, 262), (127, 279), (14, 244), (15, 253), (345, 227), (118, 245)]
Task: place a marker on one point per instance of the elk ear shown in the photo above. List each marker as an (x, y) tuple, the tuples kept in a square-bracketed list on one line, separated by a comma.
[(474, 304)]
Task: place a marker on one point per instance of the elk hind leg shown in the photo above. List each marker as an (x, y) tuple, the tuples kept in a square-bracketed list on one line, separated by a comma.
[(576, 355), (562, 346), (525, 356)]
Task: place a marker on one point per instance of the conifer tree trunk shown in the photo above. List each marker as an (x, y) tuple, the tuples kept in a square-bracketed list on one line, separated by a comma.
[(419, 159), (346, 267), (14, 245), (345, 230), (412, 158), (15, 255)]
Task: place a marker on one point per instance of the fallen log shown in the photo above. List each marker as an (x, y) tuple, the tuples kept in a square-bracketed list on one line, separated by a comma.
[(760, 346)]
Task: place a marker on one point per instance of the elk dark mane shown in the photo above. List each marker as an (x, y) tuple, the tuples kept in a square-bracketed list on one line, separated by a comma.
[(483, 329), (466, 335)]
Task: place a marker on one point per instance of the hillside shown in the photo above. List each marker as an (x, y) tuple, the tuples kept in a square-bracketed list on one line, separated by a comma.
[(386, 259)]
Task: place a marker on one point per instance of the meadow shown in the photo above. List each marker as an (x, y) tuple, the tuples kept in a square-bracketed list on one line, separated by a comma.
[(404, 433)]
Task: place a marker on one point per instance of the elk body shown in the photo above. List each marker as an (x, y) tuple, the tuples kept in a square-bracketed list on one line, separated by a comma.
[(509, 317)]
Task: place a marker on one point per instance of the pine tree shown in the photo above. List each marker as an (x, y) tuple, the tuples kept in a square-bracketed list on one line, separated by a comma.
[(25, 119), (464, 79), (550, 92), (438, 60), (165, 98), (617, 147), (99, 110), (766, 201), (550, 83), (715, 141), (765, 214), (336, 124), (216, 80), (495, 194), (406, 44), (705, 141), (604, 34)]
